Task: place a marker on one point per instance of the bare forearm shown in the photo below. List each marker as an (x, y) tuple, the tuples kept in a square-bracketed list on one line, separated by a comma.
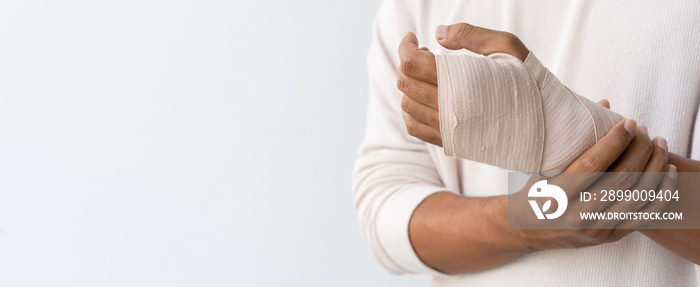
[(456, 234), (684, 242)]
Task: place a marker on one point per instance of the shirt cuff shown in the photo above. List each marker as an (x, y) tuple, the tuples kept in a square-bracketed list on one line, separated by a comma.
[(392, 230)]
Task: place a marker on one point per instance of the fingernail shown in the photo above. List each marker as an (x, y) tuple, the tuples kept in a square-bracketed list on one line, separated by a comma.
[(441, 32), (644, 130), (672, 172), (630, 126), (661, 142)]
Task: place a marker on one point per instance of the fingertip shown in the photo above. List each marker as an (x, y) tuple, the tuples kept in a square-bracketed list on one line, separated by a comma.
[(630, 126), (643, 129), (662, 143), (672, 171), (441, 32), (412, 36), (409, 38), (444, 36)]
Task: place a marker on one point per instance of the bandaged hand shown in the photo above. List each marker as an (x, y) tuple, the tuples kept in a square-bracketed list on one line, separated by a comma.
[(504, 109), (417, 76)]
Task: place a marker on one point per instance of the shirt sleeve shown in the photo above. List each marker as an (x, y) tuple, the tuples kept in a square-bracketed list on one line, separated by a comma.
[(394, 172)]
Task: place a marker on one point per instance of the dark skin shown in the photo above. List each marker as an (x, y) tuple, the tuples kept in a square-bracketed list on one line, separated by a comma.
[(457, 234)]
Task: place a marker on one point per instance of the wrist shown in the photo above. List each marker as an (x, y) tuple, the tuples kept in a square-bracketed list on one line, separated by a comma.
[(513, 241)]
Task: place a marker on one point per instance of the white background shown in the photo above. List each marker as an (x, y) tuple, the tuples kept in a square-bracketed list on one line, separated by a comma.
[(183, 143)]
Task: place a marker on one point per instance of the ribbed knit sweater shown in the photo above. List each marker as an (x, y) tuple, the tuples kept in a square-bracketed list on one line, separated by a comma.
[(643, 56)]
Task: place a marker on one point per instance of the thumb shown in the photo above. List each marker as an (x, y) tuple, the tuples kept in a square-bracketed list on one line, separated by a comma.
[(408, 43), (480, 40)]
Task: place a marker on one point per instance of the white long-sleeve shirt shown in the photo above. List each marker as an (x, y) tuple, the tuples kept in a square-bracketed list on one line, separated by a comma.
[(643, 56)]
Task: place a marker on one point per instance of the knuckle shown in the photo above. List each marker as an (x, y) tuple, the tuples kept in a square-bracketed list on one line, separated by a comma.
[(514, 46), (510, 39), (408, 64), (574, 222), (637, 204), (401, 82), (435, 118), (626, 180), (595, 235), (647, 146), (404, 103), (590, 164), (434, 139), (633, 205), (618, 141), (411, 128), (408, 106), (464, 30)]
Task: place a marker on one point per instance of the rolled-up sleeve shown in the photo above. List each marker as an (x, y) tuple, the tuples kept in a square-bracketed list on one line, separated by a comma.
[(394, 172)]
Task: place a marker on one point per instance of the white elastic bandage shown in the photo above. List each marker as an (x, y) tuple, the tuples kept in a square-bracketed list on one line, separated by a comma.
[(515, 115)]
